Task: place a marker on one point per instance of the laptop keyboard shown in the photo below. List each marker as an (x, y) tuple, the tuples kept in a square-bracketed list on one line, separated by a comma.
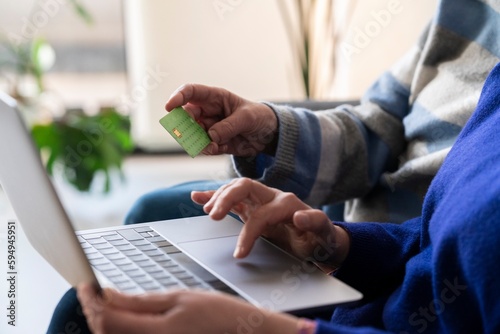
[(138, 260)]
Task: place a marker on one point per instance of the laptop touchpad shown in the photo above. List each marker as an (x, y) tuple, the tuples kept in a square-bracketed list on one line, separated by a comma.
[(268, 277), (197, 228)]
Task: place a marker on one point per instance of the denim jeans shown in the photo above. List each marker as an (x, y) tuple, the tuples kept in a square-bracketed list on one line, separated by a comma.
[(170, 203)]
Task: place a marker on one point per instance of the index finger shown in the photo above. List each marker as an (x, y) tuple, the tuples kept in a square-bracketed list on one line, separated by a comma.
[(191, 93), (250, 232), (228, 196)]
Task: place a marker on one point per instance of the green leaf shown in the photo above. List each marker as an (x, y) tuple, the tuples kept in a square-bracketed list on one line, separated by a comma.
[(46, 138), (36, 66), (82, 12), (84, 148)]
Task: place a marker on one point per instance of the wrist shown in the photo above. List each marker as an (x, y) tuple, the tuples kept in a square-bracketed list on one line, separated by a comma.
[(343, 245), (336, 250), (271, 129)]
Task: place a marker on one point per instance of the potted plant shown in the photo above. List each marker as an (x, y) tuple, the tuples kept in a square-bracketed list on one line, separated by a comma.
[(82, 146)]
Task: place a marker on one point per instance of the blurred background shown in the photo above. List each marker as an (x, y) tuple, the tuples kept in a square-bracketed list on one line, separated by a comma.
[(91, 78)]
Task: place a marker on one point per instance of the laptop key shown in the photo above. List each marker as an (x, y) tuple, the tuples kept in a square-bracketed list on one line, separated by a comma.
[(146, 263), (146, 247), (96, 241), (154, 252), (131, 252), (183, 275), (114, 257), (90, 251), (103, 246), (85, 245), (113, 237), (118, 279), (94, 256), (126, 285), (139, 242), (176, 269), (122, 261), (125, 247), (156, 239), (135, 273), (143, 279), (161, 258), (91, 236), (119, 242), (154, 269), (150, 286), (130, 234), (109, 251), (167, 264), (169, 249), (113, 273), (169, 281), (138, 257), (128, 267), (162, 243), (143, 229), (145, 234), (105, 267), (100, 261), (192, 283)]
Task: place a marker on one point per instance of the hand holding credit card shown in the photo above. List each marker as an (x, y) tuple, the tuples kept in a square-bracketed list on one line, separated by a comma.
[(184, 129)]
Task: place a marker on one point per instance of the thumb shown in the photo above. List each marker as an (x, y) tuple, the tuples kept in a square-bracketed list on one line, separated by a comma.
[(312, 220), (225, 130)]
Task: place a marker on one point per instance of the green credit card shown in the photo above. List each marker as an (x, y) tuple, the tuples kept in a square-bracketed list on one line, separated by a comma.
[(184, 129)]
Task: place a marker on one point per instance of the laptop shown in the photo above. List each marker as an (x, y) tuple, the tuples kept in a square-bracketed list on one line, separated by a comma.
[(188, 253)]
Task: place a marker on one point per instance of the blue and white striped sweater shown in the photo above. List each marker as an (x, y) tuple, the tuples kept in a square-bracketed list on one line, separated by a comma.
[(381, 155)]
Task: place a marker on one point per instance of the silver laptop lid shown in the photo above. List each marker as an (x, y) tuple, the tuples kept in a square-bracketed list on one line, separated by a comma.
[(34, 199)]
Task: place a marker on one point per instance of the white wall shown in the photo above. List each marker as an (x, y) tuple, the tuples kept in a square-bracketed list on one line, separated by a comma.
[(375, 34), (57, 21), (242, 45), (242, 48)]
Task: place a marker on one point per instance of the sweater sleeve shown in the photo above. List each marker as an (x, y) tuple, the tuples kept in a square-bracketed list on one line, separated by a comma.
[(324, 327), (439, 272), (339, 154), (378, 255)]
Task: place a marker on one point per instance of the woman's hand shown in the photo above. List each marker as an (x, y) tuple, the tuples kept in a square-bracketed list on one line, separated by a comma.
[(281, 217), (235, 125), (180, 312)]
